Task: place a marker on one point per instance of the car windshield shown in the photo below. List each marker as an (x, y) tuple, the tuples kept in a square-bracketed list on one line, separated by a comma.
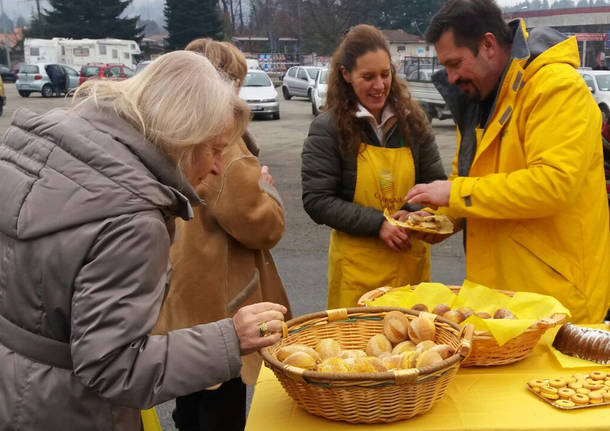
[(90, 71), (257, 80), (603, 82), (28, 68), (312, 72), (323, 76)]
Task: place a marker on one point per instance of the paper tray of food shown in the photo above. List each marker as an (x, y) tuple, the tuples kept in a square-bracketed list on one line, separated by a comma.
[(579, 391)]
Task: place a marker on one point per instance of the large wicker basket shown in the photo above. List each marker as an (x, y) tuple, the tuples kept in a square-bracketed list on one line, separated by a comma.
[(364, 397), (485, 348)]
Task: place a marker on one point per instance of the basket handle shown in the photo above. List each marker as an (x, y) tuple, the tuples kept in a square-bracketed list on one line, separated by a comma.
[(549, 322), (336, 314), (408, 375), (465, 336)]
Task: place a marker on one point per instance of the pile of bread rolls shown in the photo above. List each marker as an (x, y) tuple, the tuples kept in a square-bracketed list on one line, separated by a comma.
[(464, 313), (402, 345)]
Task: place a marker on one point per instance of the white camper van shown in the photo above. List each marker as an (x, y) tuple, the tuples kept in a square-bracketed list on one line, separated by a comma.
[(78, 52)]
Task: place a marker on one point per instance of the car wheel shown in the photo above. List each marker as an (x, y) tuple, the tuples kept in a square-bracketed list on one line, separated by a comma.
[(286, 93), (605, 113), (276, 115), (23, 93), (47, 90)]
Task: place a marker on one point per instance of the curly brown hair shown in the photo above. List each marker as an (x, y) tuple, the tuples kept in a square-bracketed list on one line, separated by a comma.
[(342, 101)]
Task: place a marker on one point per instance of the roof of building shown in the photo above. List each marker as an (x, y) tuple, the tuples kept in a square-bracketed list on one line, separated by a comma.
[(11, 38), (400, 36)]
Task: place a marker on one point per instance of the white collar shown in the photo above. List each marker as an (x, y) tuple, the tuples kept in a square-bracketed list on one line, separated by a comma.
[(387, 113)]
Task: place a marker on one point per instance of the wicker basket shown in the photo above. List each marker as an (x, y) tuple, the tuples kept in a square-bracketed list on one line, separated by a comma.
[(485, 348), (364, 397)]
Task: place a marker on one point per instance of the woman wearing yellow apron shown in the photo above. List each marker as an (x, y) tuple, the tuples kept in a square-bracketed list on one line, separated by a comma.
[(361, 156)]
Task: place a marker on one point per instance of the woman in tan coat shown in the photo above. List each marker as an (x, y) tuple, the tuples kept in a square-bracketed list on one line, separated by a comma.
[(221, 259)]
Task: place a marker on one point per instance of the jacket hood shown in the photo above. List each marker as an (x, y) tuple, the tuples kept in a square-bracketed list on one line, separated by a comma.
[(69, 167)]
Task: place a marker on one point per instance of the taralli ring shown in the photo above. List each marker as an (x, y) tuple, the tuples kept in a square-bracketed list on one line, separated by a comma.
[(262, 330), (565, 404)]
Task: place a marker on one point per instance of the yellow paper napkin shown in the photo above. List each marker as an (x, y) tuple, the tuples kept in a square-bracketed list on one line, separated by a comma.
[(528, 307)]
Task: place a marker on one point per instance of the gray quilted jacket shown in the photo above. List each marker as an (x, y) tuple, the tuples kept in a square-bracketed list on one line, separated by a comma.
[(84, 244)]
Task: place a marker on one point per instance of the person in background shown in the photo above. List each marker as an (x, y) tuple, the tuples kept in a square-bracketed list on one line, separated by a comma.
[(527, 180), (221, 259), (57, 75), (360, 158), (89, 197)]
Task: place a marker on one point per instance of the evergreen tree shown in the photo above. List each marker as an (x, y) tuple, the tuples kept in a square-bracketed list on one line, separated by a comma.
[(94, 19), (21, 22), (191, 19)]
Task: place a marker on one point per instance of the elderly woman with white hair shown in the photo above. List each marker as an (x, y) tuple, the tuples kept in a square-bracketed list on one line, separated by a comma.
[(89, 194)]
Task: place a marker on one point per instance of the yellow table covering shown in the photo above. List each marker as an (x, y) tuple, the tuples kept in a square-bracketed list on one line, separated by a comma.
[(489, 399)]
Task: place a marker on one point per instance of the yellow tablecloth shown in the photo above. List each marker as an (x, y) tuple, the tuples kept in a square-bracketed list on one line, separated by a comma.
[(489, 399)]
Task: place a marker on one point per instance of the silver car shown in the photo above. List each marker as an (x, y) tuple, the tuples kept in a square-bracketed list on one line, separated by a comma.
[(598, 82), (34, 78), (318, 94), (260, 95), (299, 81)]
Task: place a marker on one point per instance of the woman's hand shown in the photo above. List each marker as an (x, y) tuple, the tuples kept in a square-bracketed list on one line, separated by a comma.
[(395, 237), (258, 325), (266, 176)]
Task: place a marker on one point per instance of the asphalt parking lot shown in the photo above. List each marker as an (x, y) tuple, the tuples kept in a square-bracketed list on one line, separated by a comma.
[(301, 256)]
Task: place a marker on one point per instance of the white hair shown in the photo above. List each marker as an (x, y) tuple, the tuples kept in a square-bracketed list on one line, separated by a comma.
[(177, 102)]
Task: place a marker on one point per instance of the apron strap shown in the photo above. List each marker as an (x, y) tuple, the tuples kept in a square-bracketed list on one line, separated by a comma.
[(34, 346)]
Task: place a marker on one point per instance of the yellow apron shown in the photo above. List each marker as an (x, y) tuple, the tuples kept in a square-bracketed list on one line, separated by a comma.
[(359, 264)]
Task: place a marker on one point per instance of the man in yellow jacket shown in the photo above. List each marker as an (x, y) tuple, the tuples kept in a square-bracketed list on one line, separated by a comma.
[(528, 177)]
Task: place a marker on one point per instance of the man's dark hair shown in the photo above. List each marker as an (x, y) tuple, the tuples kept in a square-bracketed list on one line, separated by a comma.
[(469, 20)]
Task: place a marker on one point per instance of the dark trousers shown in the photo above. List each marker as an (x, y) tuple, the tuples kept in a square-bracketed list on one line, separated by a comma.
[(223, 409)]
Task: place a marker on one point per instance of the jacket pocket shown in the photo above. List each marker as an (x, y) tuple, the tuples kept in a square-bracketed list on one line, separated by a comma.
[(242, 296), (558, 263)]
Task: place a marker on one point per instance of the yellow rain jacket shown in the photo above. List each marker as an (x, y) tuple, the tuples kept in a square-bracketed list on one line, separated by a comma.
[(534, 194)]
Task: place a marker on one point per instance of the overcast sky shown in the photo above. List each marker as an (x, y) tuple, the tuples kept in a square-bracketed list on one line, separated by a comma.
[(150, 8)]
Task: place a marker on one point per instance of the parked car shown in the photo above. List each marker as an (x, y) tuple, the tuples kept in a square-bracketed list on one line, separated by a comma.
[(252, 64), (2, 97), (34, 78), (91, 70), (318, 94), (598, 82), (15, 67), (260, 94), (117, 72), (425, 93), (299, 81), (7, 74)]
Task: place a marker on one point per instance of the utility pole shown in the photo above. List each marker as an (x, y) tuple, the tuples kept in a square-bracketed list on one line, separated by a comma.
[(38, 8), (6, 49)]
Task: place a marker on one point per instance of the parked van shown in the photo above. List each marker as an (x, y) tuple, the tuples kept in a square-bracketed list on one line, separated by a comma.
[(79, 52), (252, 64)]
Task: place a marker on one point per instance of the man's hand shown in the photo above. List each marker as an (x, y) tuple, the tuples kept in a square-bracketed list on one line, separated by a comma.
[(395, 237), (435, 194)]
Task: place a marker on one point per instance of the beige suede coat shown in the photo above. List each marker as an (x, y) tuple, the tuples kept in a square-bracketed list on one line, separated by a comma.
[(221, 259)]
